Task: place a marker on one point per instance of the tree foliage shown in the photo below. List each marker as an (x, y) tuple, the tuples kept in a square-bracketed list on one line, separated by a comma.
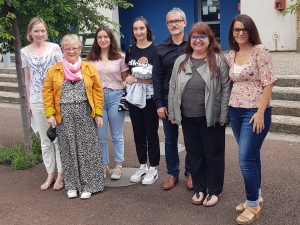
[(292, 8), (61, 17)]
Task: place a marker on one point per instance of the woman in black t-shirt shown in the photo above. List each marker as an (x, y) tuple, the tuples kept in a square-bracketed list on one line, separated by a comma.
[(142, 109)]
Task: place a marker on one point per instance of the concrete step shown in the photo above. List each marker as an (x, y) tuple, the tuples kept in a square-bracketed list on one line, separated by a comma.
[(285, 124), (11, 70), (8, 78), (10, 97), (288, 80), (288, 108), (286, 93), (9, 87)]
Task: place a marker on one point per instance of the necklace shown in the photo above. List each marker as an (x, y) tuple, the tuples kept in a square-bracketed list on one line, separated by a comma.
[(244, 52)]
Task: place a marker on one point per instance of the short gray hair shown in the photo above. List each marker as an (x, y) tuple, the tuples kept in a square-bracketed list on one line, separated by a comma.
[(70, 39), (177, 10)]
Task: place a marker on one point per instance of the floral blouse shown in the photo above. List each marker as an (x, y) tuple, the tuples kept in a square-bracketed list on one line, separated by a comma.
[(257, 73)]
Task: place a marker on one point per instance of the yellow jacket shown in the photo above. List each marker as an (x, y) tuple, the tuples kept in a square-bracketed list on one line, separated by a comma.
[(53, 84)]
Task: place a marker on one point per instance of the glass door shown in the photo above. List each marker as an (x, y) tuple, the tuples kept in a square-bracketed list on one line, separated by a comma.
[(208, 11)]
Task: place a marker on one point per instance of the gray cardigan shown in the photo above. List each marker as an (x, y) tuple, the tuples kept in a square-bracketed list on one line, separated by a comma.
[(217, 90)]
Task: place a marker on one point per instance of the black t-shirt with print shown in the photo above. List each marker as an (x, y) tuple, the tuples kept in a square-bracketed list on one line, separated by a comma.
[(139, 56)]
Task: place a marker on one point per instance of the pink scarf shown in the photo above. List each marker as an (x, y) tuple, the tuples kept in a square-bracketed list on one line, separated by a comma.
[(72, 71)]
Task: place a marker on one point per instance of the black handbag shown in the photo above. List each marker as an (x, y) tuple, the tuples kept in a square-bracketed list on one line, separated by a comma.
[(51, 133), (123, 105)]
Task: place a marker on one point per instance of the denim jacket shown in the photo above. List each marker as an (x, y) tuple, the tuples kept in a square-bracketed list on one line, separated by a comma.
[(217, 90)]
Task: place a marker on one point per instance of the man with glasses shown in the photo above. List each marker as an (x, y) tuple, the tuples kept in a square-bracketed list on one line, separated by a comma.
[(167, 52)]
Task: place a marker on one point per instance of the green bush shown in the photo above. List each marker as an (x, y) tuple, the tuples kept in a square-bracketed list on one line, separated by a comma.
[(18, 158)]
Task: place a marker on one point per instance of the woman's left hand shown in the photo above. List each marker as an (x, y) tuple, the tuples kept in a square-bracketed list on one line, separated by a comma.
[(99, 121), (258, 122), (221, 124)]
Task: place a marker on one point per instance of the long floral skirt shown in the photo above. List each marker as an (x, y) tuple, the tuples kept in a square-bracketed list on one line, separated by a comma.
[(80, 149)]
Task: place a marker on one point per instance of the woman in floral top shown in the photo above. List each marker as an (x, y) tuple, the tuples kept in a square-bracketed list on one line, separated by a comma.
[(250, 111)]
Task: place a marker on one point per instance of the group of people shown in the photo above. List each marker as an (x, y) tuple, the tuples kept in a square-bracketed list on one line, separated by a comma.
[(185, 80)]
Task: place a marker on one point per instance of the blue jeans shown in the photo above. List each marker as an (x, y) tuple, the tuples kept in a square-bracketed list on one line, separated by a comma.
[(249, 143), (171, 147), (115, 119)]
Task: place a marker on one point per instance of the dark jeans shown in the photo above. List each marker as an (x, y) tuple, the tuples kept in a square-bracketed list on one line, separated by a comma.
[(249, 143), (205, 148), (145, 125), (171, 147)]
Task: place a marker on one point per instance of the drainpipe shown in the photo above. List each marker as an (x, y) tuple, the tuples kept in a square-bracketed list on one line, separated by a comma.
[(298, 32)]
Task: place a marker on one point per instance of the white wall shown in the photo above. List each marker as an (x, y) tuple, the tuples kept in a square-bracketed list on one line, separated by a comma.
[(114, 16), (269, 21)]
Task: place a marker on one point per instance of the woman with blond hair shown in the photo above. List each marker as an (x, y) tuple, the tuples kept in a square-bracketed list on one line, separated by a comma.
[(73, 99), (37, 58)]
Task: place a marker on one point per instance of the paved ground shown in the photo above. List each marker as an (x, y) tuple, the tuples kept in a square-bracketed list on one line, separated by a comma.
[(22, 202)]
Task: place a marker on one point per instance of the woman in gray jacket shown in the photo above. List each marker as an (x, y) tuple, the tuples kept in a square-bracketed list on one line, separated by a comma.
[(198, 100)]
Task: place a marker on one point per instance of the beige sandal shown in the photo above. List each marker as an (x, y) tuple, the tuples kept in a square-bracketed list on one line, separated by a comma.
[(249, 215), (58, 185), (241, 207), (48, 184)]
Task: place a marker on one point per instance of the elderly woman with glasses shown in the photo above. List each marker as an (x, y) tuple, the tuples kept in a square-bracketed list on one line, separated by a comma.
[(250, 111), (198, 100), (73, 101)]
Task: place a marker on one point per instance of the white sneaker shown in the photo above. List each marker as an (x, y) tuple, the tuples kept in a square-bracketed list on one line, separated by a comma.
[(116, 175), (138, 175), (150, 177), (85, 195), (72, 193)]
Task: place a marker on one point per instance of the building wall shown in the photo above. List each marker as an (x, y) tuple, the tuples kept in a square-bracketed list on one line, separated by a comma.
[(228, 9), (270, 23), (155, 12), (114, 16)]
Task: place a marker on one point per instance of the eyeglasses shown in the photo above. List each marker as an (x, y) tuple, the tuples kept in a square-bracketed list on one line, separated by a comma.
[(104, 37), (171, 22), (238, 30), (68, 50), (200, 37)]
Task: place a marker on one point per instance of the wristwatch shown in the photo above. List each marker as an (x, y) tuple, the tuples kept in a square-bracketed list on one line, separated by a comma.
[(135, 80)]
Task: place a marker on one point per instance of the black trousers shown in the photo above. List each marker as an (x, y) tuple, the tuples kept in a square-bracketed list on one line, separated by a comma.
[(205, 148), (145, 125)]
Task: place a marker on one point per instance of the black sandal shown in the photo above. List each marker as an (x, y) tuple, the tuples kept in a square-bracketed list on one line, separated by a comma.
[(198, 196), (208, 198)]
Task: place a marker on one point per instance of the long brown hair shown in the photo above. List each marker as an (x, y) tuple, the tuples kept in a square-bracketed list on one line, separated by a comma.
[(212, 49), (114, 52), (250, 26)]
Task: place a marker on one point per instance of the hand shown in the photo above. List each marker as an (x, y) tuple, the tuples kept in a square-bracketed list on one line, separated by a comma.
[(130, 79), (99, 121), (162, 112), (29, 109), (258, 122), (52, 121), (221, 124), (124, 84), (173, 121)]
